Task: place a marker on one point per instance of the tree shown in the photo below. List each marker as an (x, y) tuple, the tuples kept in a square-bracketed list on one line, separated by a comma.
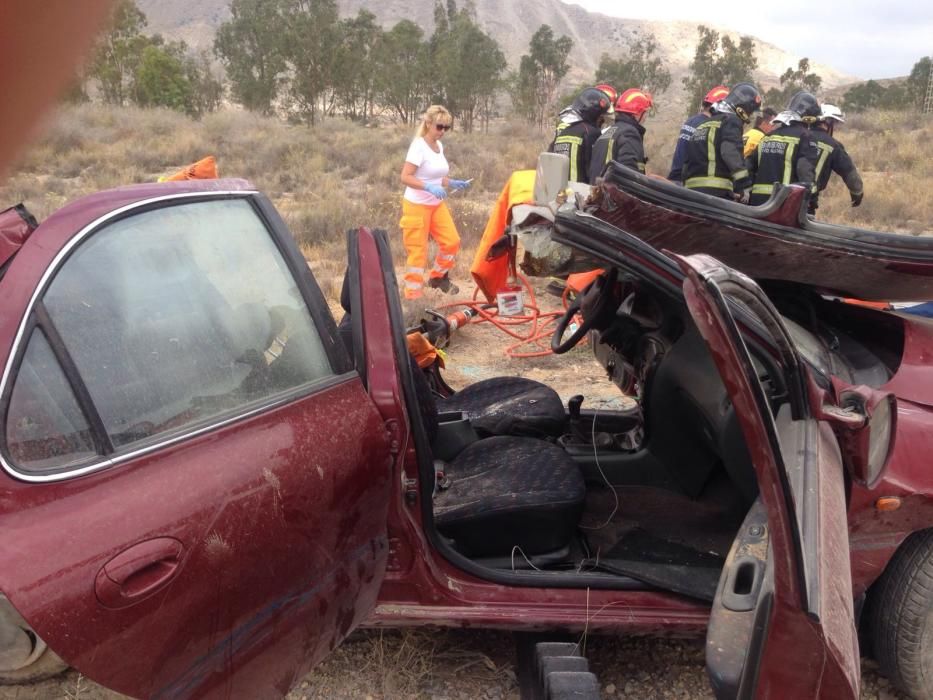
[(793, 81), (902, 94), (718, 61), (402, 70), (470, 64), (311, 38), (864, 96), (355, 73), (539, 74), (249, 45), (641, 68), (118, 53), (161, 79), (207, 91), (918, 81)]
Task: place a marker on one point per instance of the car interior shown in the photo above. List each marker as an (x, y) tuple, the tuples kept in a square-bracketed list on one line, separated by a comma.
[(655, 493)]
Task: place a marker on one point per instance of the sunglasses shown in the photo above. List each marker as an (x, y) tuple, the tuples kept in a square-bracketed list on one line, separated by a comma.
[(442, 127)]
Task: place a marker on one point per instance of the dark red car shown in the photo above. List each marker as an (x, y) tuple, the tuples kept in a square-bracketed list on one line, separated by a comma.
[(206, 486)]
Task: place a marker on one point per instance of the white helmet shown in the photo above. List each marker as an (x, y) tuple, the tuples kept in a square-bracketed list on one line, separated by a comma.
[(832, 112)]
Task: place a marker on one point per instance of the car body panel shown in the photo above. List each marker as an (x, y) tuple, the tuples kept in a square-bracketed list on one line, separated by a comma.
[(874, 535), (249, 548), (773, 242), (809, 648)]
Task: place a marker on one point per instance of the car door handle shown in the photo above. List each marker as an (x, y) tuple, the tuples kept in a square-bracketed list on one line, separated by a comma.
[(743, 583), (138, 572)]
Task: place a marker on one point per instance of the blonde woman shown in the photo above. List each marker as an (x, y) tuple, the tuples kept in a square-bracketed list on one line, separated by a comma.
[(424, 212)]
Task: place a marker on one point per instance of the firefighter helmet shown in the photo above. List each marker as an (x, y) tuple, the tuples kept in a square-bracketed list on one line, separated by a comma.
[(830, 112), (635, 102), (717, 93), (745, 99), (591, 104), (610, 92), (805, 104)]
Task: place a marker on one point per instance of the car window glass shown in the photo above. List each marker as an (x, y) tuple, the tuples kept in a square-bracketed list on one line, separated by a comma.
[(182, 313), (45, 428)]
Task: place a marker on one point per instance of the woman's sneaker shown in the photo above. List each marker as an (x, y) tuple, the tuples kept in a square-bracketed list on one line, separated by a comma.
[(444, 284)]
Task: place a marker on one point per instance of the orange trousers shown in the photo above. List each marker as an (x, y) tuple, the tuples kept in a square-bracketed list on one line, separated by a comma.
[(418, 223)]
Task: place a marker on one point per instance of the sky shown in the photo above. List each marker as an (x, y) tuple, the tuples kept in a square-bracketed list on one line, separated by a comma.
[(865, 38)]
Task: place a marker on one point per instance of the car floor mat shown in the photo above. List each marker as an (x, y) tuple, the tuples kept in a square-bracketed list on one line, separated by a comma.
[(706, 524), (665, 564)]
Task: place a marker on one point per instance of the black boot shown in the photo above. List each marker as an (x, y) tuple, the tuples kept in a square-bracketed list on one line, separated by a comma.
[(444, 284)]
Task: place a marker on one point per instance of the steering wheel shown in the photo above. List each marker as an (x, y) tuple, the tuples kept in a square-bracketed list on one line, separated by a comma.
[(597, 303)]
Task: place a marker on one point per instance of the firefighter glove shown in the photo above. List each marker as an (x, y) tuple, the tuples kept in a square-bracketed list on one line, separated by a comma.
[(856, 198), (459, 184), (744, 196), (436, 190), (741, 185)]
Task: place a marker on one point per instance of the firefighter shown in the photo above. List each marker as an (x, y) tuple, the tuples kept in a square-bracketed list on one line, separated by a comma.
[(788, 153), (832, 158), (754, 135), (714, 163), (689, 126), (578, 130), (623, 141)]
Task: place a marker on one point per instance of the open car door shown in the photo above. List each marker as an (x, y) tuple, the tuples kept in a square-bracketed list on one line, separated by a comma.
[(195, 482), (782, 622)]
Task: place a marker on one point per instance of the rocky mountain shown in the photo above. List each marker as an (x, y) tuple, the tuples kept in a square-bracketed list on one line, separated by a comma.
[(511, 24)]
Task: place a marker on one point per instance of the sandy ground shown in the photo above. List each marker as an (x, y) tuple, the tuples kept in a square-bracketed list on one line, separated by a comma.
[(445, 664)]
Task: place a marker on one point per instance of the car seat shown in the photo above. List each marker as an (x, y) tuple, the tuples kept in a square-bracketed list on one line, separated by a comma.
[(504, 491)]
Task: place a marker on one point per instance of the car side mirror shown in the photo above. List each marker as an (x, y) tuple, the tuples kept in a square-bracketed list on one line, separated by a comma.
[(865, 423)]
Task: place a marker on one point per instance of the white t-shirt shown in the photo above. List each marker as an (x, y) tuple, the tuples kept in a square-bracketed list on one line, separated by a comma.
[(431, 168)]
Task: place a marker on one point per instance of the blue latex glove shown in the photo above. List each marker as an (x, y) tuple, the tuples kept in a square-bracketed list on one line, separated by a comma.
[(436, 190), (459, 184)]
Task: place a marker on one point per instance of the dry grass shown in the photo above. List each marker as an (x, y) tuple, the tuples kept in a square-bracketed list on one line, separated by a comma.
[(340, 174)]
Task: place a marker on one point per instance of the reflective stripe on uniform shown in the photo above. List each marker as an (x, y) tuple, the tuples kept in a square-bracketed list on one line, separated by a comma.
[(739, 174), (414, 275), (716, 182), (710, 127), (762, 189), (608, 134), (442, 263), (825, 151), (574, 142)]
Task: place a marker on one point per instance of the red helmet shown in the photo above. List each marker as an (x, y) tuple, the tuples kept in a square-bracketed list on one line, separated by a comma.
[(715, 95), (610, 92), (635, 102)]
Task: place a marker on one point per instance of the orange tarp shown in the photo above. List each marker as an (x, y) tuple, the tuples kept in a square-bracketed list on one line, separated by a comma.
[(204, 169), (492, 275)]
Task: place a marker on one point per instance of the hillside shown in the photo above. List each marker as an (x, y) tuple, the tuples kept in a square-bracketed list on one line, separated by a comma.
[(511, 24)]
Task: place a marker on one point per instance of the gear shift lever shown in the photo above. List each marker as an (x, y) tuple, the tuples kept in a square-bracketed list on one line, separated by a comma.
[(573, 408)]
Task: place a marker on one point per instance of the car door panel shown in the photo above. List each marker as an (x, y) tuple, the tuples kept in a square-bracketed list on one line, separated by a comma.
[(281, 523), (782, 624), (222, 557)]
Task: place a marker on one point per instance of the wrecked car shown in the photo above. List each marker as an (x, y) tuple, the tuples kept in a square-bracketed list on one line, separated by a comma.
[(204, 489)]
